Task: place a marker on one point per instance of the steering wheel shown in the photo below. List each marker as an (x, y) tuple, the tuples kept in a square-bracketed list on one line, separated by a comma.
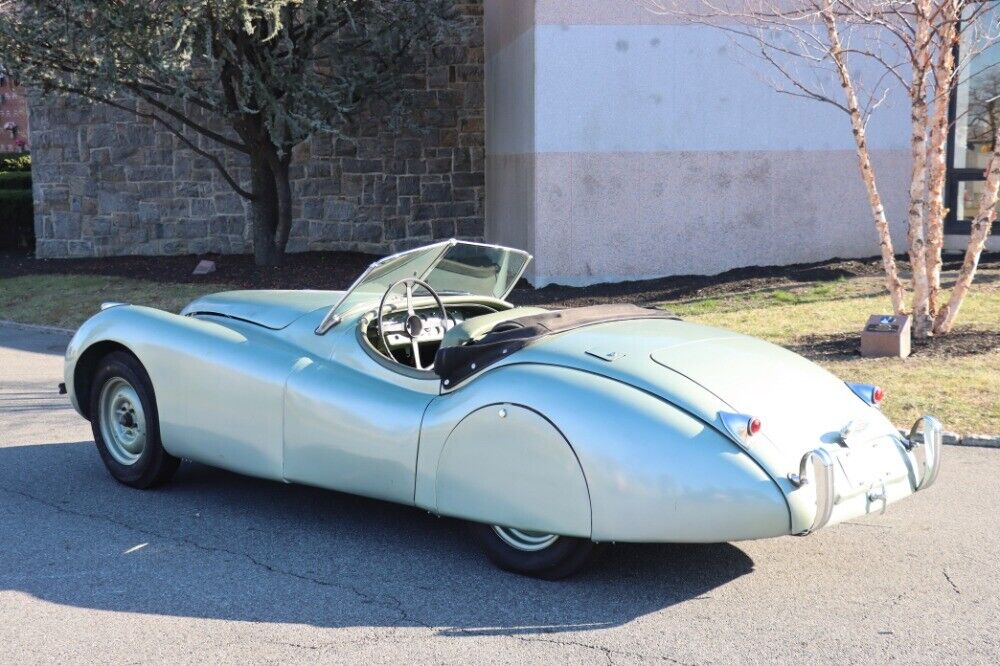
[(414, 324)]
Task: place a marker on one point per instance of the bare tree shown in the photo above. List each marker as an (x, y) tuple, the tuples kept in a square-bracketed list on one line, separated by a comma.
[(980, 231), (812, 48)]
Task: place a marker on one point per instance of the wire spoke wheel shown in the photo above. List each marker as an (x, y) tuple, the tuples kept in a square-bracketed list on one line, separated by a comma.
[(525, 540), (122, 421)]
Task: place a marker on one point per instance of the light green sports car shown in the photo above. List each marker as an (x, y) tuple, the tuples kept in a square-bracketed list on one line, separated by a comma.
[(549, 431)]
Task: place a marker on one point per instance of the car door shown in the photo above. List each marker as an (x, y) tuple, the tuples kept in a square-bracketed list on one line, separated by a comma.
[(353, 424)]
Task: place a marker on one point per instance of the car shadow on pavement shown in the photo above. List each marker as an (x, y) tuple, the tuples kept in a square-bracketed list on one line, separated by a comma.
[(220, 546)]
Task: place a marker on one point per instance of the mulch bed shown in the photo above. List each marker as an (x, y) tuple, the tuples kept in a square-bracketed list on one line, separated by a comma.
[(739, 280), (310, 270), (962, 341)]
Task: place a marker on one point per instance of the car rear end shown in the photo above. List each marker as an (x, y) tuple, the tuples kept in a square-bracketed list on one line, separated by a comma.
[(826, 443), (834, 484)]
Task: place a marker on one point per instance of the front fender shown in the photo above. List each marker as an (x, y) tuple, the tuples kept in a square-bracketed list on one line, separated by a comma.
[(108, 329), (219, 391), (653, 473), (147, 333)]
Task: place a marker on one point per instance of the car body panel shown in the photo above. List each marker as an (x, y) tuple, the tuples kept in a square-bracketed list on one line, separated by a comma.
[(274, 309), (353, 425), (204, 375), (505, 464)]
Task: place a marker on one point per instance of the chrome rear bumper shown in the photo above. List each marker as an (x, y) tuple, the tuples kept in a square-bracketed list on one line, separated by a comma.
[(817, 468), (927, 450)]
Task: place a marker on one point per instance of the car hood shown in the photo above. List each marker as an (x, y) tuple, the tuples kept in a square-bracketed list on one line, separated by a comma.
[(273, 309), (706, 370)]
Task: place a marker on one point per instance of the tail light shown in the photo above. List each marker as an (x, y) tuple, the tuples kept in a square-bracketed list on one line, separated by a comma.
[(741, 426), (871, 394)]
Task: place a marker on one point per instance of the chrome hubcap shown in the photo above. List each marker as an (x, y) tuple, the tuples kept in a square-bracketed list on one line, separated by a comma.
[(122, 421), (525, 540)]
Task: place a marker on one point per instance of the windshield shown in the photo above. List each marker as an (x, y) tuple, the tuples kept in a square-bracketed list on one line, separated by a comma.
[(482, 270), (450, 267)]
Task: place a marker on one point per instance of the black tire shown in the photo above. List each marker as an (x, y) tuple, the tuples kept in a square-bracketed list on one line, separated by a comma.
[(564, 557), (154, 466)]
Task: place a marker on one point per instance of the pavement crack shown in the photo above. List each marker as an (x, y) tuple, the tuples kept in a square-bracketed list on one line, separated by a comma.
[(363, 596), (598, 648), (950, 581), (404, 615), (608, 653)]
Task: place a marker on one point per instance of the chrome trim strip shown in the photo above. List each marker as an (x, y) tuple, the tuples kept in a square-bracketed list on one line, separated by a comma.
[(820, 462), (928, 451), (107, 305)]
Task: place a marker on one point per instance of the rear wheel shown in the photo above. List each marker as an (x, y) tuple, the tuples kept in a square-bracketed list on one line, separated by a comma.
[(126, 425), (536, 554)]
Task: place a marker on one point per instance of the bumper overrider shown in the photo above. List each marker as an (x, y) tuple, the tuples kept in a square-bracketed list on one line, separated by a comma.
[(818, 468)]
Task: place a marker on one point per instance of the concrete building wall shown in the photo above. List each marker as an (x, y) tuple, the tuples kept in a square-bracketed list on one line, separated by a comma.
[(108, 183), (641, 148)]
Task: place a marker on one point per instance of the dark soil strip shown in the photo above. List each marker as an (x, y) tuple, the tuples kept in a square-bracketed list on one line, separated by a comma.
[(309, 270), (960, 342)]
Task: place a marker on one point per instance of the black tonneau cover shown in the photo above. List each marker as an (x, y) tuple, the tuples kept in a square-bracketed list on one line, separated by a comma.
[(454, 364)]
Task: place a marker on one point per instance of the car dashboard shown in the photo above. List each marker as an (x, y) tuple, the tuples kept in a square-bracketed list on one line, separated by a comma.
[(432, 331)]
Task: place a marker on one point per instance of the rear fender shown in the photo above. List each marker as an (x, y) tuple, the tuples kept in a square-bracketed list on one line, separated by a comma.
[(652, 472)]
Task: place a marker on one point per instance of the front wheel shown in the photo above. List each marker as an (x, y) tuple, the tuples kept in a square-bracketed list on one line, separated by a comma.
[(126, 424), (536, 554)]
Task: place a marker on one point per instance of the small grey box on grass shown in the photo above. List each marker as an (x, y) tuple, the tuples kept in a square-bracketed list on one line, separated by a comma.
[(886, 335)]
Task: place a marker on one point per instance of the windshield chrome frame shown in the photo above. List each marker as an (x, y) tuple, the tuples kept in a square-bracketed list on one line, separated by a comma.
[(333, 318)]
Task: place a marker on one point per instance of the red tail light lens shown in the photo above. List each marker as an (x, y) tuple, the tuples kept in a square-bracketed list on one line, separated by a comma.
[(753, 426), (878, 395)]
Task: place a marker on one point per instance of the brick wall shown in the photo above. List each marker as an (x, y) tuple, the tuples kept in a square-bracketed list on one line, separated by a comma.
[(107, 183)]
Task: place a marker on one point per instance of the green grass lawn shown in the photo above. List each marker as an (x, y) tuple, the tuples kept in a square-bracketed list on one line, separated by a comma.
[(962, 389), (821, 320), (67, 301)]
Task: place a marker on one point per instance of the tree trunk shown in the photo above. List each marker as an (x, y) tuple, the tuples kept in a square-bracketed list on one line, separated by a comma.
[(264, 212), (892, 281), (283, 188), (915, 231), (977, 240), (944, 72), (915, 234)]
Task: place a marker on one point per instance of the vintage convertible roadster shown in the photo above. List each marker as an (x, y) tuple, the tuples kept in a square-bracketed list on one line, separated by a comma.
[(549, 431)]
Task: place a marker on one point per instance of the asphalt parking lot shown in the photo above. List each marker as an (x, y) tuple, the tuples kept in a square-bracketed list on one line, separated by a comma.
[(216, 568)]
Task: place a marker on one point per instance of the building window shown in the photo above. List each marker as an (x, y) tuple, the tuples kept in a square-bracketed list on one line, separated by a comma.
[(975, 115)]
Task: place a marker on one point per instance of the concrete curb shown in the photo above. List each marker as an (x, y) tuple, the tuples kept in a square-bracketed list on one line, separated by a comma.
[(981, 440), (37, 327), (954, 439)]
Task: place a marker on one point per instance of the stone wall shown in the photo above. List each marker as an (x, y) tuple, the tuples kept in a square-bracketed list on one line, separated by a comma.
[(107, 183)]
